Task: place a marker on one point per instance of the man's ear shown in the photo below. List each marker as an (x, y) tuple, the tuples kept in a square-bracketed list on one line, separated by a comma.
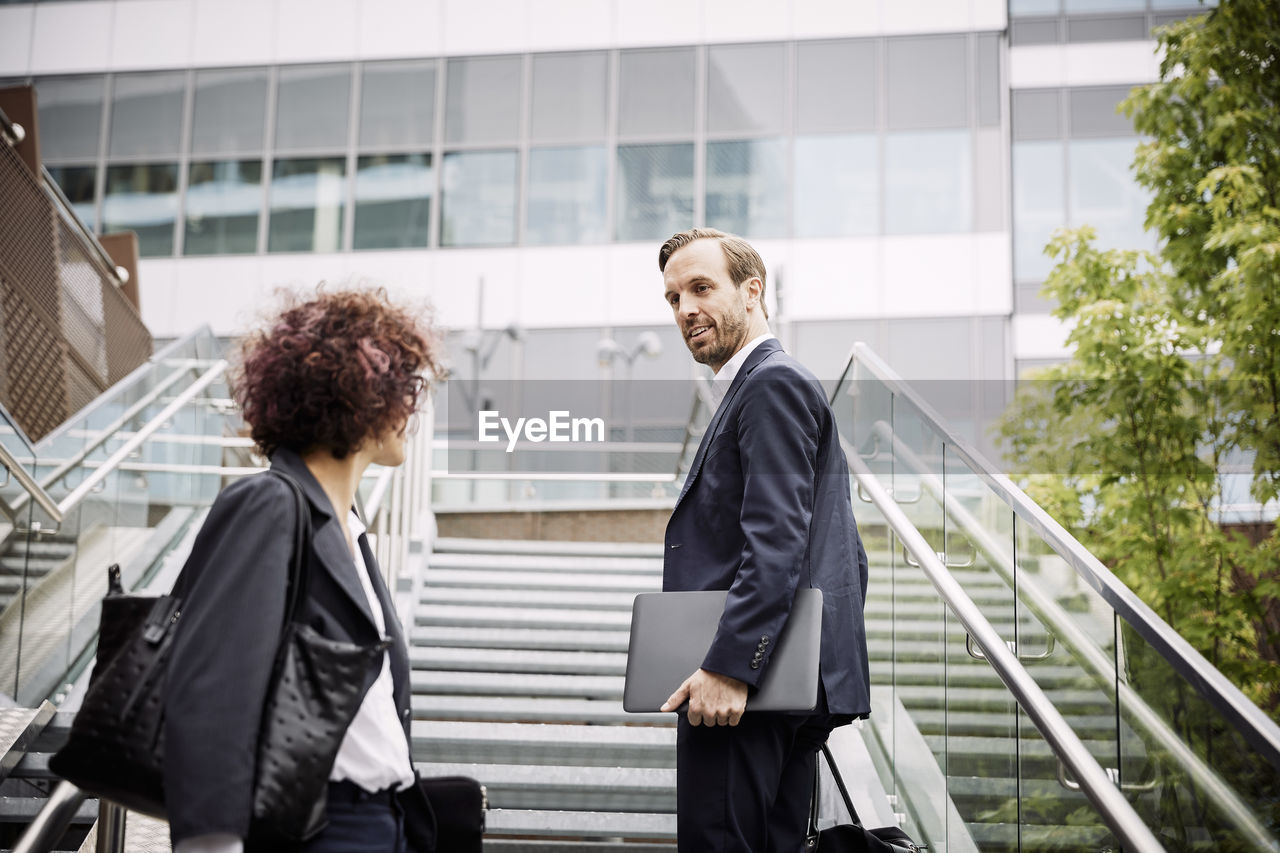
[(754, 288)]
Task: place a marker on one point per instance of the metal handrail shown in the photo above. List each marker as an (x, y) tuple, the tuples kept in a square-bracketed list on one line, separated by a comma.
[(28, 483), (100, 474), (1119, 815), (68, 213), (1094, 660), (1247, 718), (52, 820)]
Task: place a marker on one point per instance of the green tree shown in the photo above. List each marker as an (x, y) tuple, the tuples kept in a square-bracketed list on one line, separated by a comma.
[(1175, 366)]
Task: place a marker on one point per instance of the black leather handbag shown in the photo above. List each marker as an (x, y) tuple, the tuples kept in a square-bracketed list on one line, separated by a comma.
[(115, 749), (460, 804), (854, 837)]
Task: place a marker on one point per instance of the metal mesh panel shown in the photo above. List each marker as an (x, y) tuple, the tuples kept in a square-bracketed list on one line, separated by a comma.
[(26, 234), (129, 342), (82, 315), (35, 360)]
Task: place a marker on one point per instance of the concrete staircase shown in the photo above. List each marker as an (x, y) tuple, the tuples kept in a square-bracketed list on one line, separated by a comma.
[(30, 559), (519, 652)]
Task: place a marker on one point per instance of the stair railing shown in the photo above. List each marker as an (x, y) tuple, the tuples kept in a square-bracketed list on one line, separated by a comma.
[(1083, 647), (1116, 811)]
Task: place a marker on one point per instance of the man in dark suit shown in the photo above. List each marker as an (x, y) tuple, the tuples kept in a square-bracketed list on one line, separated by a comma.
[(765, 510)]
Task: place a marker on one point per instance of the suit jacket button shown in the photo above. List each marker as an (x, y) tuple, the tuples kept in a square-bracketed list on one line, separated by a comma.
[(764, 641), (755, 664)]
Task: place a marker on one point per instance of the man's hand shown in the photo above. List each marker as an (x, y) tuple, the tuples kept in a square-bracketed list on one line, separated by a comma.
[(714, 699)]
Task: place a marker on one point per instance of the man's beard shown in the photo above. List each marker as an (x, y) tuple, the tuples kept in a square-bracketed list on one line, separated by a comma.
[(730, 332)]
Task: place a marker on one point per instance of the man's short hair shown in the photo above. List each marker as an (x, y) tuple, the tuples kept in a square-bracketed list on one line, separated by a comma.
[(744, 262)]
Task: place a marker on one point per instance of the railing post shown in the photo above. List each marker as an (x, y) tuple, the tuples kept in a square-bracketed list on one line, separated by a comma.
[(111, 822)]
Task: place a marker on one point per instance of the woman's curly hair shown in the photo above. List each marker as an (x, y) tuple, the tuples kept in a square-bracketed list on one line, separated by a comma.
[(334, 371)]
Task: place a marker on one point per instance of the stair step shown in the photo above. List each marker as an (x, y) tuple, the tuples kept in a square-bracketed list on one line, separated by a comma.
[(440, 636), (509, 708), (541, 563), (507, 617), (599, 825), (545, 744), (517, 786), (570, 581), (561, 845), (529, 598), (936, 722), (517, 684), (995, 696), (558, 547), (1009, 836), (519, 660)]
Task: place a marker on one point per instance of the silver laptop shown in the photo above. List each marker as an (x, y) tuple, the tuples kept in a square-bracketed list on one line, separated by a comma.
[(670, 635)]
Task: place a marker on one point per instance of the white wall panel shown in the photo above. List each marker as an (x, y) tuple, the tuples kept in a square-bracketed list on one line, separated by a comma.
[(826, 279), (822, 18), (485, 26), (921, 16), (310, 32), (659, 22), (398, 28), (152, 34), (1083, 64), (71, 37), (570, 25), (928, 275), (16, 30), (988, 14), (1039, 336), (746, 20), (992, 274), (224, 36), (634, 285)]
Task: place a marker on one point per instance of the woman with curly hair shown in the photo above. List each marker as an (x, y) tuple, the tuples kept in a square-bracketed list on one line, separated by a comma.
[(327, 389)]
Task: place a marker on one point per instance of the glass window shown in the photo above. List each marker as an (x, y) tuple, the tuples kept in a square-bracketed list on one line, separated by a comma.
[(393, 201), (656, 92), (570, 93), (312, 106), (230, 111), (306, 205), (1039, 205), (566, 196), (837, 185), (927, 82), (747, 187), (1037, 114), (1191, 5), (146, 113), (835, 86), (988, 79), (483, 100), (1094, 113), (1034, 7), (143, 198), (223, 200), (1109, 28), (928, 182), (746, 88), (70, 115), (478, 198), (397, 104), (655, 191), (1101, 192), (1074, 7), (77, 184)]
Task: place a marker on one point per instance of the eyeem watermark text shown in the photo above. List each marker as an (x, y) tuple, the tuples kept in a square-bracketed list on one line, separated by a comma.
[(558, 426)]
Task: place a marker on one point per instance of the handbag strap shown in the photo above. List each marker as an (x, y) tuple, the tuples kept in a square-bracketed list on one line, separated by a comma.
[(811, 834), (297, 589)]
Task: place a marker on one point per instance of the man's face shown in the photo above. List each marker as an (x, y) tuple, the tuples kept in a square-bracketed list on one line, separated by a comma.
[(710, 309)]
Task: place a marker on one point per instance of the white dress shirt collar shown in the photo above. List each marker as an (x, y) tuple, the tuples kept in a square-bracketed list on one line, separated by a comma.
[(724, 377)]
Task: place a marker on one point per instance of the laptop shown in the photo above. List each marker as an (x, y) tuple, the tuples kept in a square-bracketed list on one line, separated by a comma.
[(670, 635)]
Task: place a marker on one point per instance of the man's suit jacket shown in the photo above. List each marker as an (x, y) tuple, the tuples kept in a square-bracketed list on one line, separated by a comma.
[(766, 509), (234, 586)]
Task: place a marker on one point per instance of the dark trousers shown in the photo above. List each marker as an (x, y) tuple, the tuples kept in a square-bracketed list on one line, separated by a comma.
[(359, 823), (747, 788)]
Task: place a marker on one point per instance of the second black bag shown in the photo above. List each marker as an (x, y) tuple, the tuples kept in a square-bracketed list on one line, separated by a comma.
[(115, 749), (459, 803), (854, 837)]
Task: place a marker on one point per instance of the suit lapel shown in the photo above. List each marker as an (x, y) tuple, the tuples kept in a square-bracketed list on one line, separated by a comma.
[(327, 538), (713, 428), (399, 660)]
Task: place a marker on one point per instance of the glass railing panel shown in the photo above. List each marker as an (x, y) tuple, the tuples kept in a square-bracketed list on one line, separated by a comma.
[(1204, 788), (920, 619), (982, 723), (1066, 641), (16, 537)]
